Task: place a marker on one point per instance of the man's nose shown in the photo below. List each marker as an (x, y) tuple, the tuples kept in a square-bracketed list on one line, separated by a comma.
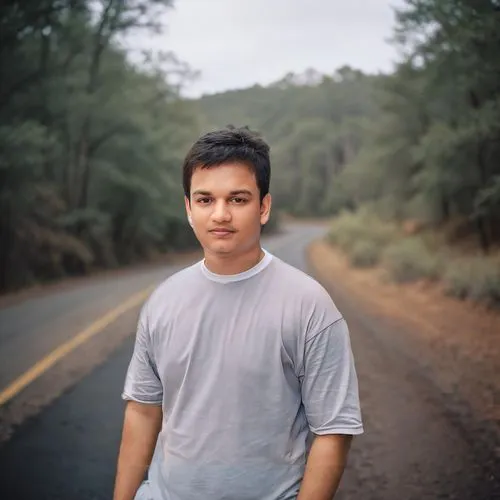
[(221, 212)]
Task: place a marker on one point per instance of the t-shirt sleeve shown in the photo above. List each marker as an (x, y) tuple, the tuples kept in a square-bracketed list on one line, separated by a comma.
[(142, 382), (329, 383)]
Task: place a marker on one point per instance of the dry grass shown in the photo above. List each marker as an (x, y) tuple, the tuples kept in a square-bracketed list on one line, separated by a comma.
[(460, 337), (409, 255)]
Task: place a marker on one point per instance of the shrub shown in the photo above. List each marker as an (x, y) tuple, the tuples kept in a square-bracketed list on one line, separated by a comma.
[(364, 254), (344, 231), (474, 278), (409, 260), (367, 240), (361, 228)]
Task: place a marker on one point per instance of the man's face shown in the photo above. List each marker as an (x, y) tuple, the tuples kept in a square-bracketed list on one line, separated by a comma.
[(226, 210)]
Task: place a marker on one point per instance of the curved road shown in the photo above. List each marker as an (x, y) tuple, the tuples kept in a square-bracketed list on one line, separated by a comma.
[(59, 433)]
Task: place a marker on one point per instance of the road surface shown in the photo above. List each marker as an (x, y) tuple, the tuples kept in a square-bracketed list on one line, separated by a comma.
[(59, 435)]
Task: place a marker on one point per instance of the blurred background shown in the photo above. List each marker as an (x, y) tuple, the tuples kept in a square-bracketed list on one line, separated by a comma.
[(376, 109), (379, 109), (383, 119)]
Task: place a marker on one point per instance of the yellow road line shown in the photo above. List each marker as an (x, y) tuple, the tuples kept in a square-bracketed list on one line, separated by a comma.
[(57, 354)]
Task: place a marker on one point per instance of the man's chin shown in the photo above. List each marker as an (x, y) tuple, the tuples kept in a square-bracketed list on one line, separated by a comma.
[(221, 249)]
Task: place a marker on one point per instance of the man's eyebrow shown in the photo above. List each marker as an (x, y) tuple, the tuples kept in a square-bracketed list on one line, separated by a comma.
[(241, 191), (232, 193)]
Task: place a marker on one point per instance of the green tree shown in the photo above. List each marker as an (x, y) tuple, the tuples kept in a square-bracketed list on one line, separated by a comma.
[(91, 144)]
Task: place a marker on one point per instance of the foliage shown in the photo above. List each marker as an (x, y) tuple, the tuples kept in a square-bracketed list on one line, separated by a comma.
[(314, 124), (409, 260), (350, 230), (474, 278), (364, 254), (421, 142), (91, 144), (369, 241)]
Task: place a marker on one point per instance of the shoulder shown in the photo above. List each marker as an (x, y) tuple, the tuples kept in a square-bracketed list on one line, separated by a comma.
[(314, 303), (299, 283), (171, 289)]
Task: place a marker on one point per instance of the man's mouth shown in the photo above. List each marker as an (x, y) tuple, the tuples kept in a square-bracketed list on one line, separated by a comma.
[(221, 232)]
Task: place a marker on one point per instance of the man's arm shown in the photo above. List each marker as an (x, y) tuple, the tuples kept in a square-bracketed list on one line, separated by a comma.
[(331, 400), (325, 466), (141, 426)]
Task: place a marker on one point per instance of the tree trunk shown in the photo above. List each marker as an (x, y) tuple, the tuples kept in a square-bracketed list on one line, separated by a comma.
[(483, 234), (102, 37), (45, 113), (445, 208), (483, 221)]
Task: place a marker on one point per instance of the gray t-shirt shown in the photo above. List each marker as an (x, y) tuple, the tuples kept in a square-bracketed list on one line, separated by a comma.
[(246, 368)]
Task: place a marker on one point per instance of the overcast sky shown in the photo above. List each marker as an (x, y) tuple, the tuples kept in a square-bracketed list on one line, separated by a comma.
[(236, 43)]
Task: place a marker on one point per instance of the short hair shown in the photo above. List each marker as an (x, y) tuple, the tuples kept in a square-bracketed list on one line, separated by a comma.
[(230, 144)]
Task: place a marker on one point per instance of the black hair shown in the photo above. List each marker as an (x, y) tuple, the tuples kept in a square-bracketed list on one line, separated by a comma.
[(230, 144)]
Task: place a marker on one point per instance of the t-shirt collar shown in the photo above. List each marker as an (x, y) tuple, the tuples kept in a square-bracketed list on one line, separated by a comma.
[(230, 278)]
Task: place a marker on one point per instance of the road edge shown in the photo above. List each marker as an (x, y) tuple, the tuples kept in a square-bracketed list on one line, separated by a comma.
[(486, 439)]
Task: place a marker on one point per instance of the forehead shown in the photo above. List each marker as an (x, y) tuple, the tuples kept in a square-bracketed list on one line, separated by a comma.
[(226, 177)]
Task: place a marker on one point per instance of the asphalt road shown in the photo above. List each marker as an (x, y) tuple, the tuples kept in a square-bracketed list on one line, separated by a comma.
[(59, 436)]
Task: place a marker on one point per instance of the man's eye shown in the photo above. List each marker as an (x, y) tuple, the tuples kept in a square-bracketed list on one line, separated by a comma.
[(239, 200), (203, 200)]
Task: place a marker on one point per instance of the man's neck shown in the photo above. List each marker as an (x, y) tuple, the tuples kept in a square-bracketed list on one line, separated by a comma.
[(229, 264)]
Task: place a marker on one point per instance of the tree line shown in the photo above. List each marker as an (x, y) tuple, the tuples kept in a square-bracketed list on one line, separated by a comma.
[(422, 142), (92, 143)]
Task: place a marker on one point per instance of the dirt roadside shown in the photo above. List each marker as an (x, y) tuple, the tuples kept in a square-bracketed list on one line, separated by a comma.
[(457, 343)]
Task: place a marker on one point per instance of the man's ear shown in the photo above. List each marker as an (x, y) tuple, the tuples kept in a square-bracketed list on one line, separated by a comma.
[(188, 210), (265, 209)]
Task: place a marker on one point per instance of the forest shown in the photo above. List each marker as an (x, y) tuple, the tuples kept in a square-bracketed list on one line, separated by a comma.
[(92, 143)]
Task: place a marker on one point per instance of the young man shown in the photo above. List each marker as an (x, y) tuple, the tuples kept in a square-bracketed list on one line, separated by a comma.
[(242, 384)]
